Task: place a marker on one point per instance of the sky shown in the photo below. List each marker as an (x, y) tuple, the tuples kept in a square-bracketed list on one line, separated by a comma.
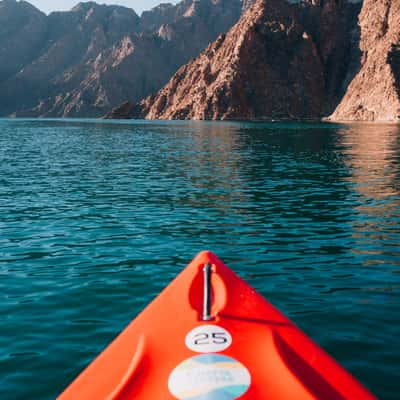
[(57, 5)]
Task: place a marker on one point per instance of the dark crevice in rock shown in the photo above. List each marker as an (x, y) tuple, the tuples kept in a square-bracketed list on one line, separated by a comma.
[(343, 64), (394, 61)]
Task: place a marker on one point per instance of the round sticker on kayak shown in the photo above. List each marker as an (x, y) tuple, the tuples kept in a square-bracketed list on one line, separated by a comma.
[(208, 339), (209, 377)]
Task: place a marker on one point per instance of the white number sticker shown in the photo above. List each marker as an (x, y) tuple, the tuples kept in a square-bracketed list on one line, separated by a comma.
[(208, 339)]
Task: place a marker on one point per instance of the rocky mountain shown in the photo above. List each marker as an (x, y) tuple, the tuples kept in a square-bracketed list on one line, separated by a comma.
[(282, 60), (374, 93), (86, 61), (291, 60), (22, 32)]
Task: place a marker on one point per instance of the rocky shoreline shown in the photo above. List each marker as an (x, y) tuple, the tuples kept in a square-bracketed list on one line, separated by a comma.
[(254, 60)]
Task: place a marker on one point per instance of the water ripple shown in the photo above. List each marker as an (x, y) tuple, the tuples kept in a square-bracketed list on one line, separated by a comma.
[(97, 217)]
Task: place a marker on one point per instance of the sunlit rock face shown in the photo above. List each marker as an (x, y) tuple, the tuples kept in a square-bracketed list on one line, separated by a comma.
[(282, 60), (88, 60), (374, 92)]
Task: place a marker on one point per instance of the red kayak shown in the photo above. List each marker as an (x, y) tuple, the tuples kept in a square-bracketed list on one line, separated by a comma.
[(210, 336)]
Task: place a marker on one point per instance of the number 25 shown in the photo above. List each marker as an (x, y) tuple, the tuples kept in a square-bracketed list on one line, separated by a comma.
[(215, 338)]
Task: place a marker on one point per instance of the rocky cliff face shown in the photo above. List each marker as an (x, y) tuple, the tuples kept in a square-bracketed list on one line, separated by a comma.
[(306, 59), (88, 60), (374, 93), (50, 83), (282, 60)]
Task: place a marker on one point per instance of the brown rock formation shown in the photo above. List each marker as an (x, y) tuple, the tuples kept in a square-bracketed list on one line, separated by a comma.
[(267, 67), (285, 59), (282, 60), (374, 93), (333, 26), (125, 111)]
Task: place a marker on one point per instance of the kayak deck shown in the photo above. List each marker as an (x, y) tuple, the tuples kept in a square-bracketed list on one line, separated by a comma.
[(210, 336)]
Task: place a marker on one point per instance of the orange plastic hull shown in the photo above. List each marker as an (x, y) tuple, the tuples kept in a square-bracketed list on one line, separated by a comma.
[(248, 350)]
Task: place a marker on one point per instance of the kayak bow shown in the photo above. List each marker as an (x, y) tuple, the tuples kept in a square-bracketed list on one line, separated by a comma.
[(210, 336)]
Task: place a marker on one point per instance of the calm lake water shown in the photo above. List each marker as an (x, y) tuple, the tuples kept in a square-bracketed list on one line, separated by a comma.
[(97, 217)]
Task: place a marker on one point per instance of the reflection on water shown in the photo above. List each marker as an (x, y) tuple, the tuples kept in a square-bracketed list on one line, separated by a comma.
[(212, 166), (97, 217), (372, 154)]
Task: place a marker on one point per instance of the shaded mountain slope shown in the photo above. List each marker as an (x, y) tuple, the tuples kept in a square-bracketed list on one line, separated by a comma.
[(94, 57), (23, 30)]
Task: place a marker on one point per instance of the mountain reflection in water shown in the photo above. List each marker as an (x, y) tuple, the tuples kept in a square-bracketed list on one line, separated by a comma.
[(372, 154)]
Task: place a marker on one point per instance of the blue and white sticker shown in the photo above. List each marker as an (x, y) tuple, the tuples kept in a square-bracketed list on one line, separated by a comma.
[(209, 377), (208, 339)]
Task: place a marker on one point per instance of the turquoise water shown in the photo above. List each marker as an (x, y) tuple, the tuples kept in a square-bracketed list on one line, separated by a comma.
[(97, 217)]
